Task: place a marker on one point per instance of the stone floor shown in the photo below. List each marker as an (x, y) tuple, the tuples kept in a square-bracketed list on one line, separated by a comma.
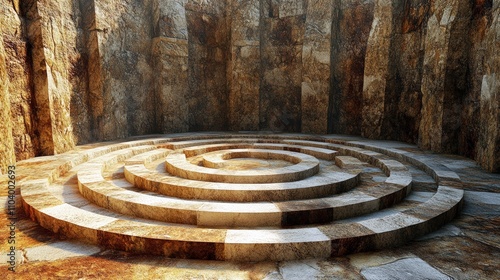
[(466, 248)]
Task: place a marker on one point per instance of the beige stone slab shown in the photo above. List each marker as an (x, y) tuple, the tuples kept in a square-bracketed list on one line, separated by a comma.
[(234, 219), (186, 144), (236, 214), (60, 250), (321, 153), (352, 204), (73, 222), (347, 162), (258, 245), (268, 236), (151, 207), (34, 187), (391, 223), (90, 177), (400, 178)]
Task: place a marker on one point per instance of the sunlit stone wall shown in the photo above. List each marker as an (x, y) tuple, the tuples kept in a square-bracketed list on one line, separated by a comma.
[(419, 71)]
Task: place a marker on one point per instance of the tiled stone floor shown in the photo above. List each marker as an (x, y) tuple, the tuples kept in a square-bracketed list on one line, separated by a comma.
[(466, 248)]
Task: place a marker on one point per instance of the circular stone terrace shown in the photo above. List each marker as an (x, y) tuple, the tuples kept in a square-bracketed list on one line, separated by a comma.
[(241, 197)]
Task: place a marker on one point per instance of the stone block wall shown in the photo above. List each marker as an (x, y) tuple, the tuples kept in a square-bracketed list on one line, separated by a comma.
[(420, 71)]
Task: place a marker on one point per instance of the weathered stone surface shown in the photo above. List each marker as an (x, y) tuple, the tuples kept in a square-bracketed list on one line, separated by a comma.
[(43, 115), (403, 98), (12, 80), (53, 32), (469, 133), (7, 143), (377, 69), (281, 73), (443, 80), (208, 37), (169, 19), (244, 65), (170, 57), (489, 134), (419, 71), (414, 268), (351, 27), (94, 97), (123, 31), (316, 62)]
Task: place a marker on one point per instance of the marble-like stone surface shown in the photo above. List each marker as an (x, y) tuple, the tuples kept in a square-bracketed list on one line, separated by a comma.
[(268, 244), (413, 268)]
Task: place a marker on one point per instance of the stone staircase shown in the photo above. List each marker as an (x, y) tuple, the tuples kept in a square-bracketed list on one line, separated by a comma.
[(243, 197)]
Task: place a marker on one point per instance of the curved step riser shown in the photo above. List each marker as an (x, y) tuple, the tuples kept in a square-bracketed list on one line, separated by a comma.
[(115, 231), (207, 214)]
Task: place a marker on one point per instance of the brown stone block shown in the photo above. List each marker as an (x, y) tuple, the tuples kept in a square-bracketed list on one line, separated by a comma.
[(349, 238)]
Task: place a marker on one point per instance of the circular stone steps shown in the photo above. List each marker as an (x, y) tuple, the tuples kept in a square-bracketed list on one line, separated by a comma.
[(322, 184), (304, 166), (49, 202), (212, 214)]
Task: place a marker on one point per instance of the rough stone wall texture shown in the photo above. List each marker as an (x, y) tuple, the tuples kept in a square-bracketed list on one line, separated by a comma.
[(282, 26), (244, 65), (17, 140), (489, 136), (403, 102), (351, 27), (378, 70), (170, 59), (53, 32), (316, 64), (421, 71), (443, 80), (208, 39), (124, 31), (7, 143)]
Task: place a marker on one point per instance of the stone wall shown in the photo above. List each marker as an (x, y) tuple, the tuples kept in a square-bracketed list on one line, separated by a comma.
[(11, 24), (244, 65), (17, 109), (122, 60), (488, 147), (170, 59), (351, 27), (208, 39), (420, 71)]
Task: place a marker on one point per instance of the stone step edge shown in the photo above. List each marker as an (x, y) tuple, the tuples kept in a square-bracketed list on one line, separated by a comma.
[(93, 187), (137, 174), (62, 163), (340, 246), (321, 153), (237, 244), (306, 166)]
